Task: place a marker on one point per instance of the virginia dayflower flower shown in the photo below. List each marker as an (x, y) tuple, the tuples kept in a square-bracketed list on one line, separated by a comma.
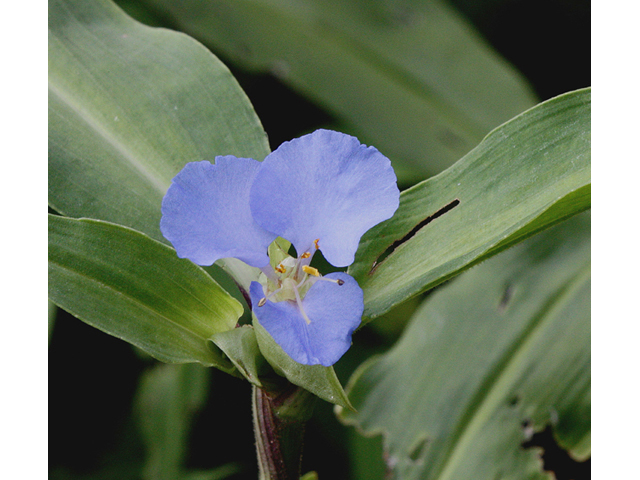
[(321, 191)]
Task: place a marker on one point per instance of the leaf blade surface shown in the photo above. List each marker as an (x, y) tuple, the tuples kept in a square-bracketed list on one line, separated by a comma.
[(527, 175), (134, 288), (411, 78), (129, 106), (506, 344)]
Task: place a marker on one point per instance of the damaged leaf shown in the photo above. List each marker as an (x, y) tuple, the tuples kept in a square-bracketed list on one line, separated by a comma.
[(478, 371)]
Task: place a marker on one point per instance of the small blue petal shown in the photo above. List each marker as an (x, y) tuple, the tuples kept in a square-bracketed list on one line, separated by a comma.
[(325, 186), (335, 312), (206, 214)]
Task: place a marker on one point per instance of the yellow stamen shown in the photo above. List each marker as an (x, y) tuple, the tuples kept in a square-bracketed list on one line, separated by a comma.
[(310, 270), (280, 269), (305, 255), (262, 301), (315, 242)]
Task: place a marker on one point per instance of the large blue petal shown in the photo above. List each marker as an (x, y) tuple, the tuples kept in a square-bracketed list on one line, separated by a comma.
[(326, 186), (335, 312), (206, 214)]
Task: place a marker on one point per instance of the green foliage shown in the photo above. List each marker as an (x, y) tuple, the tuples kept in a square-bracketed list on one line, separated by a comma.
[(259, 359), (504, 346), (506, 343), (167, 399), (129, 105), (52, 311), (528, 174), (412, 78), (240, 346), (317, 379), (137, 289)]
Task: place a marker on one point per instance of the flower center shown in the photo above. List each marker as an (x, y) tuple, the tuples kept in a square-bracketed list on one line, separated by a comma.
[(287, 278)]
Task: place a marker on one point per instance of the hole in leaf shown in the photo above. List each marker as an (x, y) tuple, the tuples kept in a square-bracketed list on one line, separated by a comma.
[(527, 429), (417, 451), (390, 461), (450, 206), (555, 459), (514, 401)]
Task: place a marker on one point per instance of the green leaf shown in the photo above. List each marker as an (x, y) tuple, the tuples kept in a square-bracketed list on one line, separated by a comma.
[(129, 106), (241, 347), (412, 78), (134, 288), (499, 353), (219, 473), (168, 396), (526, 175), (52, 313), (309, 476), (319, 380)]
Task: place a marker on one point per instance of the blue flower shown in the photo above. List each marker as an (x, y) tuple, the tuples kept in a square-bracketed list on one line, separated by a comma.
[(322, 191)]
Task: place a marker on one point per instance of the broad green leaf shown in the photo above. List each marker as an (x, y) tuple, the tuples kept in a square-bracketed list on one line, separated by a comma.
[(526, 175), (129, 106), (412, 78), (168, 396), (319, 380), (135, 288), (497, 354)]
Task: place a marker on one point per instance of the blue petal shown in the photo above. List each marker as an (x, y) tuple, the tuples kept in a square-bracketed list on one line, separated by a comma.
[(324, 186), (335, 312), (206, 214)]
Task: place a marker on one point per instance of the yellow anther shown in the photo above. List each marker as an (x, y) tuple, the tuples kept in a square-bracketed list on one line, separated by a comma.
[(280, 269), (262, 301), (315, 242), (310, 270), (305, 255)]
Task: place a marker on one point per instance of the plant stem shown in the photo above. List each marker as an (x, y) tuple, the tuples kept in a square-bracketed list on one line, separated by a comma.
[(279, 419)]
